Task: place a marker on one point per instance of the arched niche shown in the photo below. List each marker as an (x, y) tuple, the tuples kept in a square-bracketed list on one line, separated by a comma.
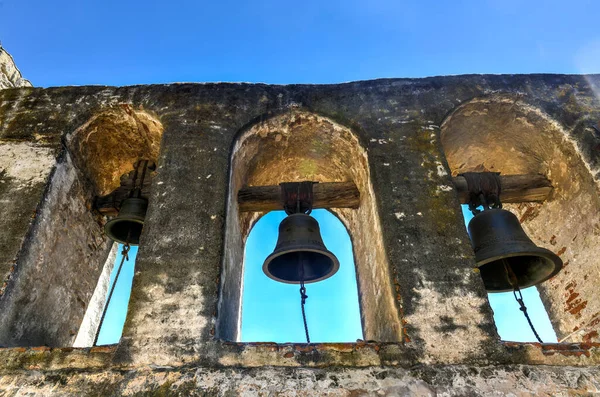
[(111, 142), (63, 263), (110, 150), (505, 134), (298, 146)]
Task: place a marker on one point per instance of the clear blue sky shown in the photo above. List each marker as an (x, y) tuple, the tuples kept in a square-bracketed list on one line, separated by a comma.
[(63, 42), (271, 310), (114, 320)]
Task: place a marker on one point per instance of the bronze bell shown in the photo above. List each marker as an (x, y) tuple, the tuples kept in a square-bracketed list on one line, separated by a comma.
[(126, 227), (500, 241), (300, 255)]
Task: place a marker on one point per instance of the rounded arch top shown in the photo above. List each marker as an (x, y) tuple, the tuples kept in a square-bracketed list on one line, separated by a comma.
[(111, 141), (294, 146), (500, 133)]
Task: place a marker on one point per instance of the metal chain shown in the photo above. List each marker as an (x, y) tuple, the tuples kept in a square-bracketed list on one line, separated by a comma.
[(303, 296), (512, 279), (125, 254), (523, 308)]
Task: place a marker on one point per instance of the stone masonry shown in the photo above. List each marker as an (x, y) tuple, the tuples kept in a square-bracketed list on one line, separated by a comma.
[(428, 325)]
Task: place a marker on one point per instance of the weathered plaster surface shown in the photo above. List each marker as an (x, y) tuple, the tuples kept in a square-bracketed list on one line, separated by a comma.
[(107, 146), (10, 76), (57, 270), (520, 380), (93, 314), (24, 168), (446, 321)]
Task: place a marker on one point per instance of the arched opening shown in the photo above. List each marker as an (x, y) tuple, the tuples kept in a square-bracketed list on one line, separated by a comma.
[(300, 146), (271, 310), (50, 293), (504, 134), (116, 150)]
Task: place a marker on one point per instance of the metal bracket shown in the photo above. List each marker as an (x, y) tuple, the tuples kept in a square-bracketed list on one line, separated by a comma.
[(297, 197), (484, 190)]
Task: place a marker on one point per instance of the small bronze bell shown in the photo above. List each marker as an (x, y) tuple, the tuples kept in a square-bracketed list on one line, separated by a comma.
[(126, 227), (300, 254), (499, 241)]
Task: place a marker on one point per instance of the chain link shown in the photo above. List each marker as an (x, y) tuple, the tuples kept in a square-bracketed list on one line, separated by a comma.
[(512, 279), (125, 254), (303, 295)]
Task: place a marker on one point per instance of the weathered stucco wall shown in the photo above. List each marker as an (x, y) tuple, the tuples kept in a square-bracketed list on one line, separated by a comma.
[(343, 382), (57, 269), (93, 313), (169, 337), (24, 169)]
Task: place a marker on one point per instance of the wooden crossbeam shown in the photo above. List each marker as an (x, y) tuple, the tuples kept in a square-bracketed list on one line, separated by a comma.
[(325, 195), (515, 189)]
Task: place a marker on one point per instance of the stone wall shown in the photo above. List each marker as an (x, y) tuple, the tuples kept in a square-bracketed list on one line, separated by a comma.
[(172, 342)]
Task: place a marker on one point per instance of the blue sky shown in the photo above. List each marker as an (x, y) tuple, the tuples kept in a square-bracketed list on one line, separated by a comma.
[(271, 310), (114, 320), (112, 42)]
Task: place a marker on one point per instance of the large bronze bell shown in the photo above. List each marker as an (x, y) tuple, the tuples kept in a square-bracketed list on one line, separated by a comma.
[(126, 227), (499, 241), (300, 255)]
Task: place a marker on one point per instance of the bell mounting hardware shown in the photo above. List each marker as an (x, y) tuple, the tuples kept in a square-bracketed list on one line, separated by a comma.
[(507, 259), (300, 255)]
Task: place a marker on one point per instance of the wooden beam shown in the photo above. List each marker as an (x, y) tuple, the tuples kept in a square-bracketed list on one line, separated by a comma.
[(109, 205), (326, 195), (515, 188)]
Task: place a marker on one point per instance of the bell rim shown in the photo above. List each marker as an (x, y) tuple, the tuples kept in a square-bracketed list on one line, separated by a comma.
[(539, 251), (115, 220), (334, 270)]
